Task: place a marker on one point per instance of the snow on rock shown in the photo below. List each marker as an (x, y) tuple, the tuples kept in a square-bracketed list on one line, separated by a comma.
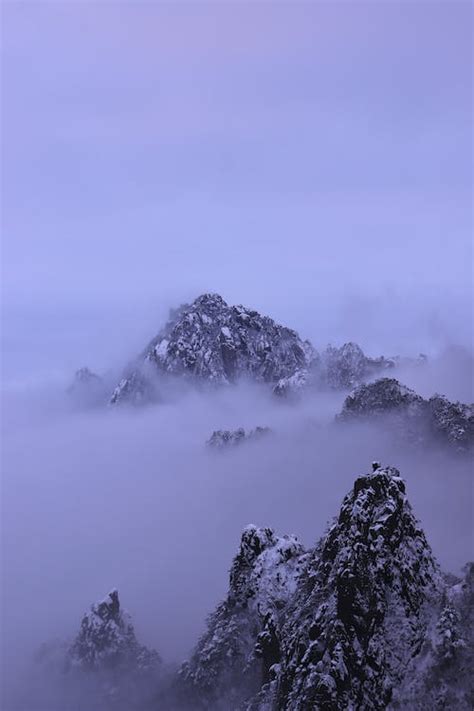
[(453, 422), (415, 418), (211, 341), (135, 389), (361, 607), (441, 677), (106, 640), (292, 385), (235, 655), (225, 438), (345, 625)]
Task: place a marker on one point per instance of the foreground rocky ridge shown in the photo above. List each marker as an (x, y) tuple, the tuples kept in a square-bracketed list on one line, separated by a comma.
[(243, 640), (412, 417), (364, 620), (356, 611)]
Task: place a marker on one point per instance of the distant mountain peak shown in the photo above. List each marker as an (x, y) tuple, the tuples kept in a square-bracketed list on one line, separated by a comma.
[(210, 341), (107, 641)]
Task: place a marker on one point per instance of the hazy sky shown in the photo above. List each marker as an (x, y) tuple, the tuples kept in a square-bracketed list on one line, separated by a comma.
[(309, 159)]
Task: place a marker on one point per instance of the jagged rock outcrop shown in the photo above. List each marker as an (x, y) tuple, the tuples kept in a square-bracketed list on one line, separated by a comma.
[(211, 341), (235, 656), (362, 607), (364, 621), (107, 641), (228, 438), (413, 417), (103, 667)]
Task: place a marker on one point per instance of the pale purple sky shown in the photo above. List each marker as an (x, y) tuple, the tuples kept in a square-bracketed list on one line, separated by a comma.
[(312, 160)]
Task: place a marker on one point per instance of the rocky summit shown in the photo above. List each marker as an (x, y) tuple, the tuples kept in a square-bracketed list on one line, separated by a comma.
[(414, 418), (213, 342), (209, 341), (242, 643), (364, 620), (106, 640)]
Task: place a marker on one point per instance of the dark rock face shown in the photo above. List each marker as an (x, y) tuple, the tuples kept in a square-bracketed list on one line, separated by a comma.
[(452, 422), (415, 418), (345, 367), (106, 640), (380, 397), (441, 676), (242, 643), (361, 609), (211, 341), (364, 620), (228, 438), (339, 626)]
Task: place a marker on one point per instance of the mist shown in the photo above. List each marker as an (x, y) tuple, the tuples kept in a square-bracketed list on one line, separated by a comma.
[(310, 161), (132, 498)]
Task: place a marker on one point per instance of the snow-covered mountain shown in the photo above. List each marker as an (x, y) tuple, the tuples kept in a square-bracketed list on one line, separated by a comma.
[(213, 342), (209, 341), (242, 643), (106, 640), (412, 417), (365, 620)]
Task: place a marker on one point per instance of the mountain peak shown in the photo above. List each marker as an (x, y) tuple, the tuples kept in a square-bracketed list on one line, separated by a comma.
[(359, 612), (106, 640), (211, 341), (209, 299), (412, 417)]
